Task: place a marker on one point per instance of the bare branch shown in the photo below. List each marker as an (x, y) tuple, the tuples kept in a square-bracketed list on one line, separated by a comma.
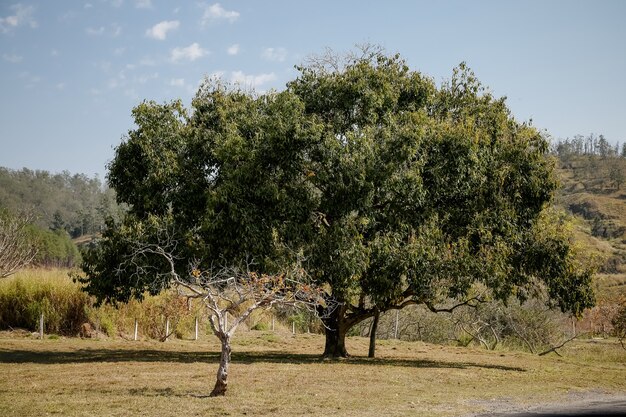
[(554, 348), (470, 302), (17, 249)]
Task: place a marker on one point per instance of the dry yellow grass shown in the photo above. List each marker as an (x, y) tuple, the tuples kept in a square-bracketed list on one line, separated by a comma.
[(281, 375)]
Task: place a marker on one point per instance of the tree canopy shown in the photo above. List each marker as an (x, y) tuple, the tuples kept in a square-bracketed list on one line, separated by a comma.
[(392, 189)]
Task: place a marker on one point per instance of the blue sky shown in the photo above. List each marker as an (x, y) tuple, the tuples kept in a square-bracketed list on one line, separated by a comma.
[(71, 71)]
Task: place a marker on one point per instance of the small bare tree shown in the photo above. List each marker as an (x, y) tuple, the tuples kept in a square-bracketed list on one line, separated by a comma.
[(226, 291), (236, 293), (16, 246)]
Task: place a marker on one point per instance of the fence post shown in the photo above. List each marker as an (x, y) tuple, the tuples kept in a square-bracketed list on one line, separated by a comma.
[(272, 323), (167, 329), (41, 326), (196, 328), (136, 328), (293, 327)]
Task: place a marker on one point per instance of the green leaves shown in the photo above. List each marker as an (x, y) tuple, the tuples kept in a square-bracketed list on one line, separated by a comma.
[(390, 187), (146, 165)]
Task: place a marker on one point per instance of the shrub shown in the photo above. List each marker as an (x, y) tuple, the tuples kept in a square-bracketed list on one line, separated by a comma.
[(29, 293), (261, 325), (619, 323)]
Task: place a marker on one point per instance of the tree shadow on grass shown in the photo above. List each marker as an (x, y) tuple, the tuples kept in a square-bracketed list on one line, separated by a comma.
[(153, 355)]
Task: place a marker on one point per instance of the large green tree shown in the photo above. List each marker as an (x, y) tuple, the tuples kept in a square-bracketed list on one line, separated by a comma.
[(426, 192), (393, 190)]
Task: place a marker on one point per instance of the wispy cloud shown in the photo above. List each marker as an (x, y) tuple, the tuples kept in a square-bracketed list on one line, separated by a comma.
[(159, 31), (146, 61), (216, 12), (238, 77), (12, 58), (30, 80), (177, 82), (233, 49), (144, 78), (274, 54), (114, 30), (143, 4), (95, 31), (22, 16), (189, 53)]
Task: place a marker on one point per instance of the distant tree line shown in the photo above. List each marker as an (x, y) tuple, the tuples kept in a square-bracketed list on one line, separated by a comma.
[(52, 209), (73, 203), (592, 144)]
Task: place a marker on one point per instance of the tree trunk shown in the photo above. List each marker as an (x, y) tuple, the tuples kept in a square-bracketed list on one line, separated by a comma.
[(222, 372), (372, 350), (335, 331)]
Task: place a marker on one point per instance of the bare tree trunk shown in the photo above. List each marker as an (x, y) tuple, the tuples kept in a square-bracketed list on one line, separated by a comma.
[(372, 350), (222, 372), (337, 324), (335, 332)]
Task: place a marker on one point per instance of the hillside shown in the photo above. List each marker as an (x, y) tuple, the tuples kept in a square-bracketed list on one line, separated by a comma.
[(592, 190), (74, 203)]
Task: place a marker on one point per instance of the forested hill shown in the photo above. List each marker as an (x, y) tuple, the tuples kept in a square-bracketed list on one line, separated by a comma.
[(71, 202), (593, 189)]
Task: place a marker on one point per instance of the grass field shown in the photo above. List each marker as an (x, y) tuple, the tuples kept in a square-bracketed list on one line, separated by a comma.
[(281, 375)]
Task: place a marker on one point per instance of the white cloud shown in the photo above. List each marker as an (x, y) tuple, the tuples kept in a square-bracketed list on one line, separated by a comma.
[(159, 31), (114, 31), (30, 80), (60, 86), (131, 93), (189, 53), (144, 78), (143, 4), (177, 82), (113, 83), (147, 62), (104, 66), (238, 77), (22, 15), (233, 49), (95, 31), (13, 59), (216, 12), (88, 6), (117, 3), (274, 54), (54, 52)]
